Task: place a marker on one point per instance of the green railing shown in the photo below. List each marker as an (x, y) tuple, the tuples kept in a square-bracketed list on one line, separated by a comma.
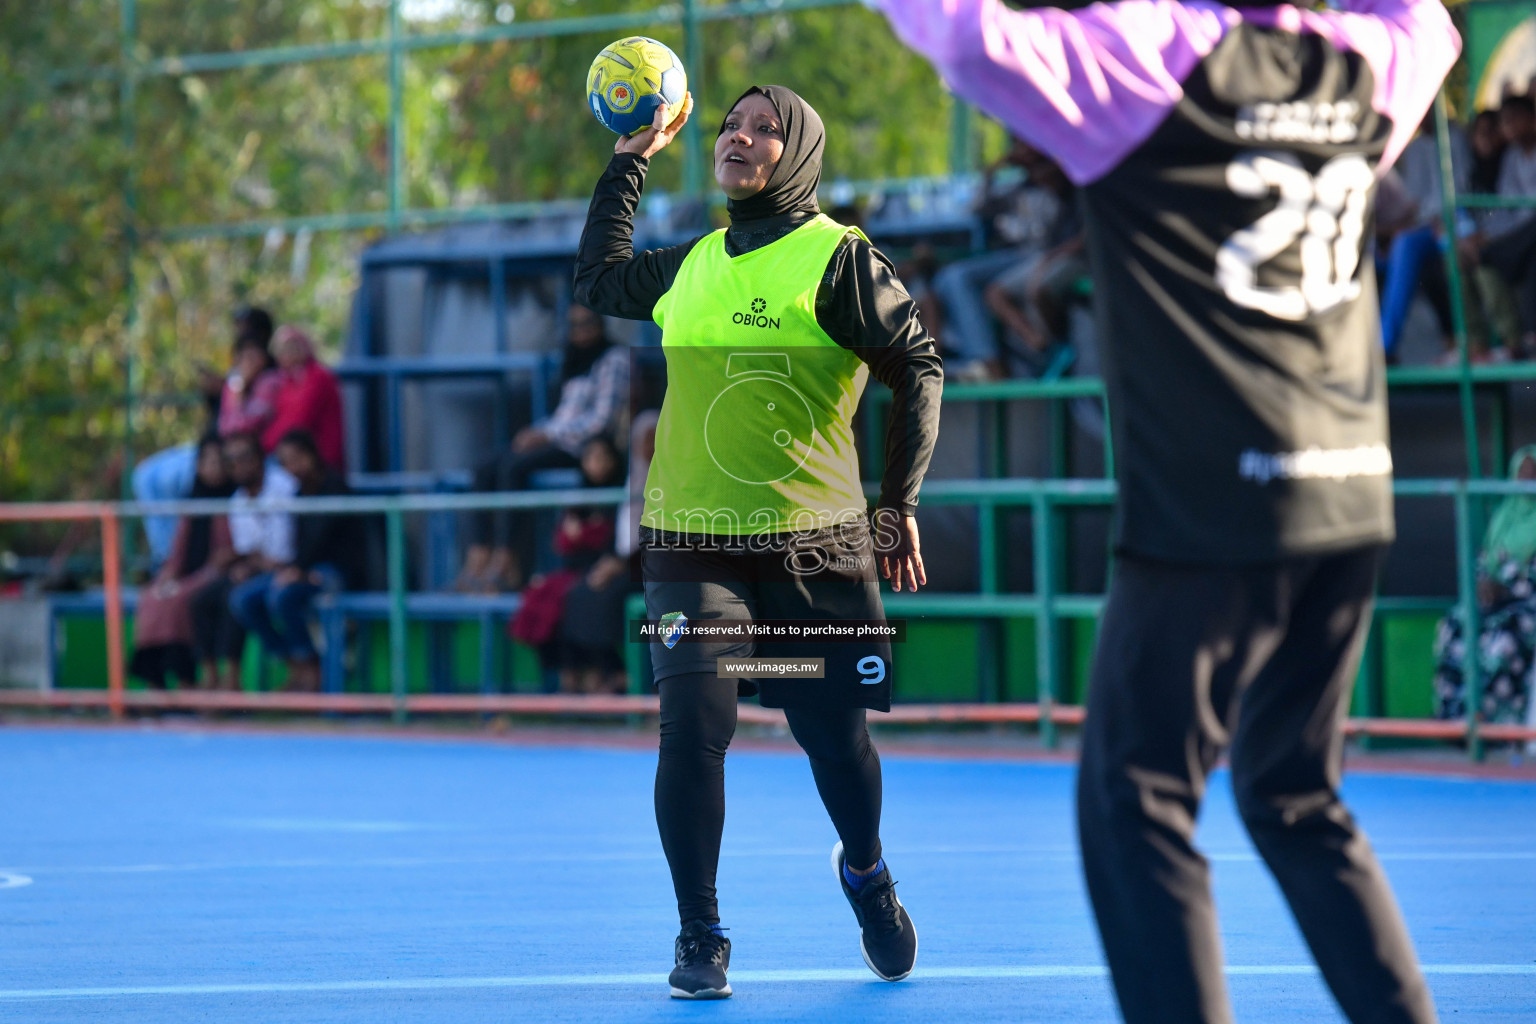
[(1048, 604), (996, 394), (1044, 497)]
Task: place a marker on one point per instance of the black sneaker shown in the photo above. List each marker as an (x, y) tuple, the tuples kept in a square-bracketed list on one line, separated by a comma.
[(703, 955), (887, 938)]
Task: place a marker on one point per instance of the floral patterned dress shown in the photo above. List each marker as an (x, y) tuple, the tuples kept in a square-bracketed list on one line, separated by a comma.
[(1505, 650)]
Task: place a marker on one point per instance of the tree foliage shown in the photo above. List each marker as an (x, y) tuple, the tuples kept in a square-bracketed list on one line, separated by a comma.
[(96, 300)]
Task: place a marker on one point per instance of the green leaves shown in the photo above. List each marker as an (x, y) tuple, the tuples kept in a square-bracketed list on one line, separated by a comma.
[(95, 303)]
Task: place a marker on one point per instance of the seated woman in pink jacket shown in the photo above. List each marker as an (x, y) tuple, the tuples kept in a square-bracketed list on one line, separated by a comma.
[(307, 398)]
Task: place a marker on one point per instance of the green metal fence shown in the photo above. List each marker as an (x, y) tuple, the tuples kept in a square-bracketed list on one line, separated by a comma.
[(1048, 603), (1044, 497)]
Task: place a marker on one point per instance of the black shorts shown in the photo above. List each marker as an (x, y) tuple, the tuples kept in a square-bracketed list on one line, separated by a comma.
[(823, 576)]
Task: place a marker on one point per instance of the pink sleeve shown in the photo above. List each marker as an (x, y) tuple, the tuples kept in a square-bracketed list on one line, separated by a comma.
[(229, 411), (1410, 46), (238, 414), (1090, 86), (1087, 87)]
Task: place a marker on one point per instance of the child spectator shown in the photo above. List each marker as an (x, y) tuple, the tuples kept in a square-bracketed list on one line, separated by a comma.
[(592, 626)]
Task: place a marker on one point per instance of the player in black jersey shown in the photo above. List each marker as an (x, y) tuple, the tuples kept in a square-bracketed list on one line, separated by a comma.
[(1228, 161)]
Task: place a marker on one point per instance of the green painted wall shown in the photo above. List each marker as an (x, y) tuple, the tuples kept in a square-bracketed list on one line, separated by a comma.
[(938, 662), (83, 647), (941, 660)]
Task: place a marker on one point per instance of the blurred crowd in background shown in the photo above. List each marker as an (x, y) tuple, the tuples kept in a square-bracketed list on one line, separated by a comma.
[(1019, 307)]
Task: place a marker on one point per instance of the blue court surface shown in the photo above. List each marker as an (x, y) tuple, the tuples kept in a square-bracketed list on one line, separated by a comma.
[(179, 875)]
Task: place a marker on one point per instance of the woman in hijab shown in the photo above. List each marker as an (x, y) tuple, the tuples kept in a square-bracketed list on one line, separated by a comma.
[(1506, 597), (755, 536), (308, 398), (164, 640)]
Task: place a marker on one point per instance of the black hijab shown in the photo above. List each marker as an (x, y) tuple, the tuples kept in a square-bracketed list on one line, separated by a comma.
[(791, 187)]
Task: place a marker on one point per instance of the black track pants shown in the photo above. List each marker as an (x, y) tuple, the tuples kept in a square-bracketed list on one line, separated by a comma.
[(1259, 660), (698, 718)]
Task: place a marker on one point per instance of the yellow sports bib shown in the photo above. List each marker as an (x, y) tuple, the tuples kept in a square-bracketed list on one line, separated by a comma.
[(755, 434)]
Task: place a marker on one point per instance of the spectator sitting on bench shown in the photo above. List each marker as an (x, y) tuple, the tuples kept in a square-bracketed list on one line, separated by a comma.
[(248, 401), (918, 272), (168, 474), (1489, 304), (1488, 145), (307, 398), (1409, 226), (1506, 598), (583, 536), (594, 387), (591, 634), (163, 637), (262, 537), (1506, 239), (1033, 299), (1019, 222), (327, 555)]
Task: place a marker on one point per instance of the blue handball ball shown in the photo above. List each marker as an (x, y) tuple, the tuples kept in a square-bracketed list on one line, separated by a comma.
[(630, 79)]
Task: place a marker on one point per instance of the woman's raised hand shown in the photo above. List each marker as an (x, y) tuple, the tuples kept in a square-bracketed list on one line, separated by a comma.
[(649, 141)]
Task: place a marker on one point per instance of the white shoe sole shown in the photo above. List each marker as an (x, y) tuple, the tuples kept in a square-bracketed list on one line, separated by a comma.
[(837, 869), (703, 993)]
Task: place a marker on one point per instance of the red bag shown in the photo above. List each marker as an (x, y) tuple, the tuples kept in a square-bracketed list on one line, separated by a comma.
[(538, 617)]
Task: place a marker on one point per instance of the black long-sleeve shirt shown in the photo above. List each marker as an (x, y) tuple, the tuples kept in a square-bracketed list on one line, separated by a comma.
[(861, 304), (337, 540)]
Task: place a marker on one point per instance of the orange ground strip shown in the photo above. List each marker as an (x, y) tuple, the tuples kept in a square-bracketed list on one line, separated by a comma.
[(605, 706), (53, 511)]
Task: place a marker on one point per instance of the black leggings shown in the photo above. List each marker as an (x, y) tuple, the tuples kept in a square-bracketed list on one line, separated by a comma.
[(215, 631), (698, 718)]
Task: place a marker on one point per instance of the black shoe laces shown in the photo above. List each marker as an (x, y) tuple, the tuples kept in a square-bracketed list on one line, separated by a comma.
[(700, 948), (878, 900)]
